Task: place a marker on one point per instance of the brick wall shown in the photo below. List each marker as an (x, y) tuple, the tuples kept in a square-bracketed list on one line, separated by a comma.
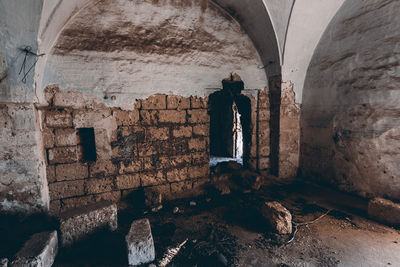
[(162, 143)]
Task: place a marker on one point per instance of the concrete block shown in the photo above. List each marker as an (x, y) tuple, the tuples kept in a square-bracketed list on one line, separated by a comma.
[(76, 224), (39, 251), (385, 211), (140, 244)]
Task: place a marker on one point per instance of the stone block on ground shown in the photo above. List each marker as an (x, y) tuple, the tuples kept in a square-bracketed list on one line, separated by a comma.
[(4, 262), (384, 211), (39, 251), (278, 217), (139, 242), (78, 223)]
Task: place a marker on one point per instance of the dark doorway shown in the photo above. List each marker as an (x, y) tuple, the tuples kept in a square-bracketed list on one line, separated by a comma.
[(230, 121)]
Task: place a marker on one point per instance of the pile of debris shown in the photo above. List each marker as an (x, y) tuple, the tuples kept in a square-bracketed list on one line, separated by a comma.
[(230, 176)]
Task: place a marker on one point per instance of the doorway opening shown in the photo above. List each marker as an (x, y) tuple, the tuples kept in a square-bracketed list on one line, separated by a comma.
[(230, 120)]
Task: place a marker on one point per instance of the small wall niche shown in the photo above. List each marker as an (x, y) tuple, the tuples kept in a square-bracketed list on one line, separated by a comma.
[(88, 143)]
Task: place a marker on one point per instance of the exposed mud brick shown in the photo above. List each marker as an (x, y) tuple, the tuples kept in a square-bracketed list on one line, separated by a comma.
[(202, 130), (87, 118), (66, 137), (197, 144), (99, 185), (157, 101), (264, 151), (76, 202), (113, 196), (133, 167), (199, 158), (175, 162), (158, 133), (172, 116), (198, 116), (76, 224), (177, 102), (62, 155), (199, 171), (149, 117), (147, 150), (278, 217), (124, 117), (74, 171), (140, 244), (151, 163), (102, 169), (58, 118), (263, 163), (128, 181), (263, 126), (40, 250), (198, 102), (50, 174), (48, 138), (264, 140), (66, 189), (264, 115), (177, 175), (154, 178), (182, 131), (384, 211)]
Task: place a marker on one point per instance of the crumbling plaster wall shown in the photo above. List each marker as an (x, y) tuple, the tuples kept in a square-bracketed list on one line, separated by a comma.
[(350, 113), (22, 181), (124, 50)]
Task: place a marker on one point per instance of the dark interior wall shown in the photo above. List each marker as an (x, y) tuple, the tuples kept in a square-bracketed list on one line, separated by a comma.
[(221, 124), (350, 113), (222, 120)]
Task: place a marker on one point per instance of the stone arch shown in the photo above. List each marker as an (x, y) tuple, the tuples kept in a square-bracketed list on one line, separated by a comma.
[(350, 103)]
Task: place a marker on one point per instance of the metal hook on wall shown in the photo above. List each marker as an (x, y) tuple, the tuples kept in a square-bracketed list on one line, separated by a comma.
[(28, 52)]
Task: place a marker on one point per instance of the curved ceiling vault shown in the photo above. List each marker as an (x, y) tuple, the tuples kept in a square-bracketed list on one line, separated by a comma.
[(254, 19)]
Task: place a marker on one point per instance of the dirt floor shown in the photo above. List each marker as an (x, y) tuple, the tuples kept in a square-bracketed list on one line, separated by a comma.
[(229, 231)]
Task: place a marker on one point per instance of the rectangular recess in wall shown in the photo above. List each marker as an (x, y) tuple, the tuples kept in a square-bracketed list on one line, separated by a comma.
[(88, 143)]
